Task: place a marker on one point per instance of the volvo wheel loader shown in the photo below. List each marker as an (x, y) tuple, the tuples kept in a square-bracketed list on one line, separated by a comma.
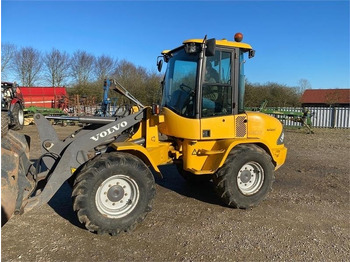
[(109, 162)]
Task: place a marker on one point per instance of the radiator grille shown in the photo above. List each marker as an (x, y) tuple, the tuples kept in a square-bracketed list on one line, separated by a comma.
[(241, 129)]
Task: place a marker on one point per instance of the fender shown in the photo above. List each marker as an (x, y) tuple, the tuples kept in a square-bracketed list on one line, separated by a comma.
[(153, 156), (206, 157), (15, 101), (133, 148), (278, 152)]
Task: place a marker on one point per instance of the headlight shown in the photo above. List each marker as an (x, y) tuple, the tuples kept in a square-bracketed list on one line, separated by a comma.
[(280, 140)]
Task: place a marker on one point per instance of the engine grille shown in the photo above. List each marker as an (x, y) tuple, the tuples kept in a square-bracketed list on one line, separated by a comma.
[(241, 128)]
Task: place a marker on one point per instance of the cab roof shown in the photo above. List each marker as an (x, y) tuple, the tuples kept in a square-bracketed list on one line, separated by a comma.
[(222, 42)]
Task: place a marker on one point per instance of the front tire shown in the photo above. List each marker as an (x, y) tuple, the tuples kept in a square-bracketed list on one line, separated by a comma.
[(246, 177), (113, 193), (17, 117)]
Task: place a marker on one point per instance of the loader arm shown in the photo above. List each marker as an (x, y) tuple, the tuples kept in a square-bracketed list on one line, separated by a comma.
[(70, 154)]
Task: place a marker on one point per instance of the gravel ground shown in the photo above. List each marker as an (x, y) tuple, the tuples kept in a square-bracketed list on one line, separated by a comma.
[(305, 217)]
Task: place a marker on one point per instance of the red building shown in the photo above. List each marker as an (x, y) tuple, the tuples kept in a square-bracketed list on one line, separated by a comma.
[(326, 98)]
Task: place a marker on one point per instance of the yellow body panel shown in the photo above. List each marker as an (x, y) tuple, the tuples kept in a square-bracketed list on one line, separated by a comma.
[(267, 129), (220, 127), (178, 126), (261, 125), (155, 156), (154, 152), (204, 155)]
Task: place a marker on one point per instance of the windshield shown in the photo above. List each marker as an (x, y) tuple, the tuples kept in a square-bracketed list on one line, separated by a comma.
[(180, 83)]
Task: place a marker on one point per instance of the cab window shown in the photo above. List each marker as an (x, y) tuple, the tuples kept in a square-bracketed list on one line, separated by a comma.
[(217, 87), (180, 84)]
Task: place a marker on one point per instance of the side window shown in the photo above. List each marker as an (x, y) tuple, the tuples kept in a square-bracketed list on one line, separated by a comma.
[(217, 88)]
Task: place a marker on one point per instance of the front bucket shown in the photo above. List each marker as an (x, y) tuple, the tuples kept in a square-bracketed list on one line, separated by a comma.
[(17, 182)]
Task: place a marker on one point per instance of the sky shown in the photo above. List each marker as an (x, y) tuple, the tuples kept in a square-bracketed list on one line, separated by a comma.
[(293, 39)]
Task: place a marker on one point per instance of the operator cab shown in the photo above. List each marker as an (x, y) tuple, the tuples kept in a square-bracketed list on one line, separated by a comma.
[(205, 78)]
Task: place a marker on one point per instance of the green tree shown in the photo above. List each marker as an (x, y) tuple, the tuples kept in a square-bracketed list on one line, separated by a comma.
[(277, 95)]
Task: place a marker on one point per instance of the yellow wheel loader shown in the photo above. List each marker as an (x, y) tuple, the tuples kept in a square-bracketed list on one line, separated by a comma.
[(200, 126)]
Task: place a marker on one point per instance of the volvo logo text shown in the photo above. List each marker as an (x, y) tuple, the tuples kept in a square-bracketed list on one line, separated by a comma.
[(109, 131)]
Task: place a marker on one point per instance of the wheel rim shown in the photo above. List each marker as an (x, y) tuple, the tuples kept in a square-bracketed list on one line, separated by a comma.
[(117, 196), (250, 178), (20, 117)]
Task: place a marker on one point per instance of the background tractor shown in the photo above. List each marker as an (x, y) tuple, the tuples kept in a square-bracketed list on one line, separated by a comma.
[(205, 132), (12, 105)]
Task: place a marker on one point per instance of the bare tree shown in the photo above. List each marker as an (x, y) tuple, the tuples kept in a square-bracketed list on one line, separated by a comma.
[(82, 65), (27, 65), (104, 67), (8, 52), (56, 67), (142, 84), (303, 85)]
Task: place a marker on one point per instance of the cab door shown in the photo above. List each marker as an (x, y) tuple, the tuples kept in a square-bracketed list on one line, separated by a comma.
[(217, 102)]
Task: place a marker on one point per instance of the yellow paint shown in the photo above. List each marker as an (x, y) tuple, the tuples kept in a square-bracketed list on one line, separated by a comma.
[(220, 127), (155, 156), (203, 155), (178, 126), (154, 152)]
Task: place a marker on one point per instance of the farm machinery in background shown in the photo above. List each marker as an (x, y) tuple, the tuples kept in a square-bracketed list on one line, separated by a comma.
[(205, 131), (22, 103), (12, 105), (109, 107), (106, 104), (48, 101), (303, 117)]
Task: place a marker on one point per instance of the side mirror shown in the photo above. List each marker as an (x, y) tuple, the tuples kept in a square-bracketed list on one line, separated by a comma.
[(159, 63), (251, 53), (211, 45)]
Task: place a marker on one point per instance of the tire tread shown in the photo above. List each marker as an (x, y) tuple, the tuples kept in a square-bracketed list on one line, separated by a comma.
[(220, 178), (93, 168)]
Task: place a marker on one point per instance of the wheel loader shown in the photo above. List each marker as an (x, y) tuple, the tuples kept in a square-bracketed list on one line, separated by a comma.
[(200, 126)]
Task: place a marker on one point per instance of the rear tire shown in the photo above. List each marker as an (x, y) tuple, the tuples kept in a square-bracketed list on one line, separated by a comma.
[(113, 193), (246, 177), (17, 117)]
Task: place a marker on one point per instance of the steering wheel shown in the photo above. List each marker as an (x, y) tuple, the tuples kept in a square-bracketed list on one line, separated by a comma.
[(189, 99), (186, 89)]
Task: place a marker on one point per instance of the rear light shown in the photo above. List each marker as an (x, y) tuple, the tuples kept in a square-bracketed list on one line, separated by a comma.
[(155, 109)]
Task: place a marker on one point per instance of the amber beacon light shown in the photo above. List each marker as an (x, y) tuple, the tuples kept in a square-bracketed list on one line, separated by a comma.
[(238, 37)]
